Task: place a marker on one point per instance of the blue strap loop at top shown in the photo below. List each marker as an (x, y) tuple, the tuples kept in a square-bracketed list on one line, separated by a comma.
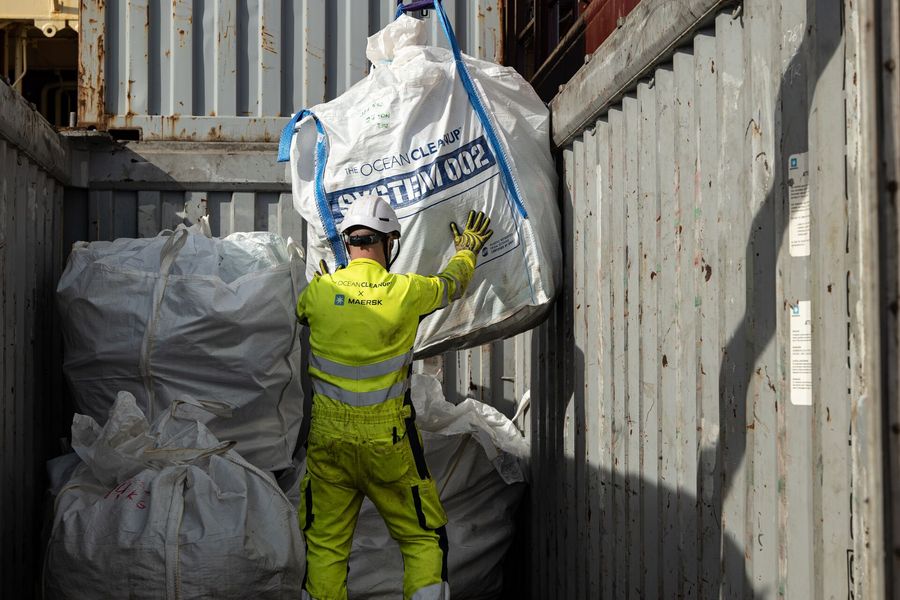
[(509, 182), (413, 6), (325, 216)]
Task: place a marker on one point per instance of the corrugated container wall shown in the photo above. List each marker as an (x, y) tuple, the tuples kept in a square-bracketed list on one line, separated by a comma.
[(32, 172), (232, 70), (705, 409)]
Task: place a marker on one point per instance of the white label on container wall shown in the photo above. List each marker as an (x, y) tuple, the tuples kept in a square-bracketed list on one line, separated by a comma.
[(801, 354), (798, 195)]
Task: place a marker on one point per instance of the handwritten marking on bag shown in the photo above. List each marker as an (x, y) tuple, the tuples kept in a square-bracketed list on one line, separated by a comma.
[(407, 189), (375, 115), (132, 490)]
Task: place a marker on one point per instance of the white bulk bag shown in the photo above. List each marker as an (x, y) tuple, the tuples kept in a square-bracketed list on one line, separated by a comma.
[(438, 136), (167, 511), (187, 314), (479, 462)]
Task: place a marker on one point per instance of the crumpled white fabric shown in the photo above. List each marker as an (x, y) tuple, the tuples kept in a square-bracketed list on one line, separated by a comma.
[(400, 33), (498, 436), (167, 511)]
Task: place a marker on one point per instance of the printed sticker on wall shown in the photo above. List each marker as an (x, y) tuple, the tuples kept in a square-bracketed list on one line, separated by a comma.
[(801, 354), (798, 196)]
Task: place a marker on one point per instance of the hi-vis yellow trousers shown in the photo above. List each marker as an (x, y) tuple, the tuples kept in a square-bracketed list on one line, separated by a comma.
[(373, 451)]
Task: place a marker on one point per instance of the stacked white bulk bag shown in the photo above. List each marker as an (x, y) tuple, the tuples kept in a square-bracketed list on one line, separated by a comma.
[(184, 313), (167, 511), (438, 133), (479, 462)]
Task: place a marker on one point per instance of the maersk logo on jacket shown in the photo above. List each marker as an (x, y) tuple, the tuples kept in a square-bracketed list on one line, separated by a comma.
[(405, 189)]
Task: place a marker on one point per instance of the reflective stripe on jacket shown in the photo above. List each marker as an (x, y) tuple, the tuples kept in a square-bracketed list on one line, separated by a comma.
[(363, 321)]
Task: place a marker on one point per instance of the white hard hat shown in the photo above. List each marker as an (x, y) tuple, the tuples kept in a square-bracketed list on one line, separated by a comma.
[(372, 212)]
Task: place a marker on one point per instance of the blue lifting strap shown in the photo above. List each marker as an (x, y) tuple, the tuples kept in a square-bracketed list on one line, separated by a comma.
[(325, 216), (512, 187)]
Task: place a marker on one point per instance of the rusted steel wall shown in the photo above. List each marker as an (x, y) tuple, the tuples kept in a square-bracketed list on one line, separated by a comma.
[(235, 70), (703, 417), (31, 195), (109, 214)]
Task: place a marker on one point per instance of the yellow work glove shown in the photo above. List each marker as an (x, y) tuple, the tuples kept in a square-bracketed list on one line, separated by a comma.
[(476, 233), (323, 269)]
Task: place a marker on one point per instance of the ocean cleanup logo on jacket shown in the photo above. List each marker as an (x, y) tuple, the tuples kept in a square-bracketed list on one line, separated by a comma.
[(447, 171)]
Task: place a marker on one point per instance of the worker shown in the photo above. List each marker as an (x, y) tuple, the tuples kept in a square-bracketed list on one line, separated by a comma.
[(363, 440)]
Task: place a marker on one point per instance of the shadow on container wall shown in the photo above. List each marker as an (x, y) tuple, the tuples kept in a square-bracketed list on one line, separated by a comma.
[(690, 553)]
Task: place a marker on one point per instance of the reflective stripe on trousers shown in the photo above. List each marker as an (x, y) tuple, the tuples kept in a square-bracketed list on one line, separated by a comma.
[(438, 591)]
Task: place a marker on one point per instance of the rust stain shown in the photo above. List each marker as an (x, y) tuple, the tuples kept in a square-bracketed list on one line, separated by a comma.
[(92, 88), (128, 111), (267, 40), (754, 126)]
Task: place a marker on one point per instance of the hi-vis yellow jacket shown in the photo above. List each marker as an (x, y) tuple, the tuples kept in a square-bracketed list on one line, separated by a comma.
[(363, 321)]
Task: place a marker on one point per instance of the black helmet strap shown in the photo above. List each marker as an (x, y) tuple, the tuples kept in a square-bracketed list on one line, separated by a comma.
[(396, 254)]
